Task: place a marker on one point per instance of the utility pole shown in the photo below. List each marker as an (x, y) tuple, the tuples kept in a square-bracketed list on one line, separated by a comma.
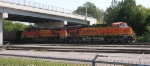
[(86, 11), (46, 2), (113, 2), (46, 5)]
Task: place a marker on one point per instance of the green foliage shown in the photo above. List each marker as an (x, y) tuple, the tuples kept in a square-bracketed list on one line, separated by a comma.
[(30, 26), (10, 26), (92, 10), (7, 26), (136, 16), (138, 23), (144, 38), (147, 21), (111, 12), (127, 12), (148, 28)]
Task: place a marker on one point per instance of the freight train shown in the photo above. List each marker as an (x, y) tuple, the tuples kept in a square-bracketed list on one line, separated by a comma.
[(118, 32)]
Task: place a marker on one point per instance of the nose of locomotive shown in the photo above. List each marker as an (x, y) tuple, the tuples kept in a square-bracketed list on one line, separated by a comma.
[(128, 30), (131, 34)]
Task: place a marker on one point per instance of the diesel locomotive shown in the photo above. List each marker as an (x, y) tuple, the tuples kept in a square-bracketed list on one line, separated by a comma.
[(118, 32)]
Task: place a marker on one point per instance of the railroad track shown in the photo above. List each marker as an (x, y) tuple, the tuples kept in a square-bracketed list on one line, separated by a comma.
[(81, 49), (138, 48), (83, 43), (103, 44), (76, 45), (87, 45)]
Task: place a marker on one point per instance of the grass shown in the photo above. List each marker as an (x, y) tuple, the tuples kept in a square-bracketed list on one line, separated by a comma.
[(29, 62), (35, 50)]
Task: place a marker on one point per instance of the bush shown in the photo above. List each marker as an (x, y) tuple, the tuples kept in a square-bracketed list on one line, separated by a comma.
[(144, 38)]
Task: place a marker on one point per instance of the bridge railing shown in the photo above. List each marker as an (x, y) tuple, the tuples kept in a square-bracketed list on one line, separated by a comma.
[(44, 6)]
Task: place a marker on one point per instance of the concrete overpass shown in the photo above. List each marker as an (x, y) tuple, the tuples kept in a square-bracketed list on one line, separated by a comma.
[(42, 17), (38, 14)]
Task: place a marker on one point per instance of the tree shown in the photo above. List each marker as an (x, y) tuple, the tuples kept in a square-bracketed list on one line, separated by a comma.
[(134, 15), (7, 25), (148, 28), (10, 26), (111, 12), (139, 23), (91, 9), (147, 22), (127, 11), (19, 27), (30, 26)]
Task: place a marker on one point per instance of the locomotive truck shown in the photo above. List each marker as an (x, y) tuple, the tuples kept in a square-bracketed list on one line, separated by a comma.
[(118, 32)]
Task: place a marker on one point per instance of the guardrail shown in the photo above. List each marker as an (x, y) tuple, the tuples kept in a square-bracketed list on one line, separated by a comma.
[(43, 6), (80, 62)]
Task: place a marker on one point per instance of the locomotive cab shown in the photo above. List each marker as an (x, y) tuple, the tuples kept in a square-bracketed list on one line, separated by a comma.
[(121, 28), (119, 25)]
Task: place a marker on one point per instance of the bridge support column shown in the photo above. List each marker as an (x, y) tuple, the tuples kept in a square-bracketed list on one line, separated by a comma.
[(1, 31), (2, 17)]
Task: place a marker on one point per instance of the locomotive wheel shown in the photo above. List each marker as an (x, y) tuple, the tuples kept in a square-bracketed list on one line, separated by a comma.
[(108, 40), (119, 39), (30, 40), (69, 41), (75, 40), (55, 40), (66, 40), (45, 39), (50, 40), (115, 39), (128, 40), (61, 40), (79, 41), (24, 40)]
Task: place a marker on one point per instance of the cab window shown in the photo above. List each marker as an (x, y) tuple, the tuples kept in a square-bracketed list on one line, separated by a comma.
[(122, 25)]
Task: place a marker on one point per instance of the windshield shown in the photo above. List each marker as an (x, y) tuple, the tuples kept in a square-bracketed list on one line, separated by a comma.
[(123, 25)]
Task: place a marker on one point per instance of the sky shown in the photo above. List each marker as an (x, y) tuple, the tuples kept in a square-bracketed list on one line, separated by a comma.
[(73, 4)]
